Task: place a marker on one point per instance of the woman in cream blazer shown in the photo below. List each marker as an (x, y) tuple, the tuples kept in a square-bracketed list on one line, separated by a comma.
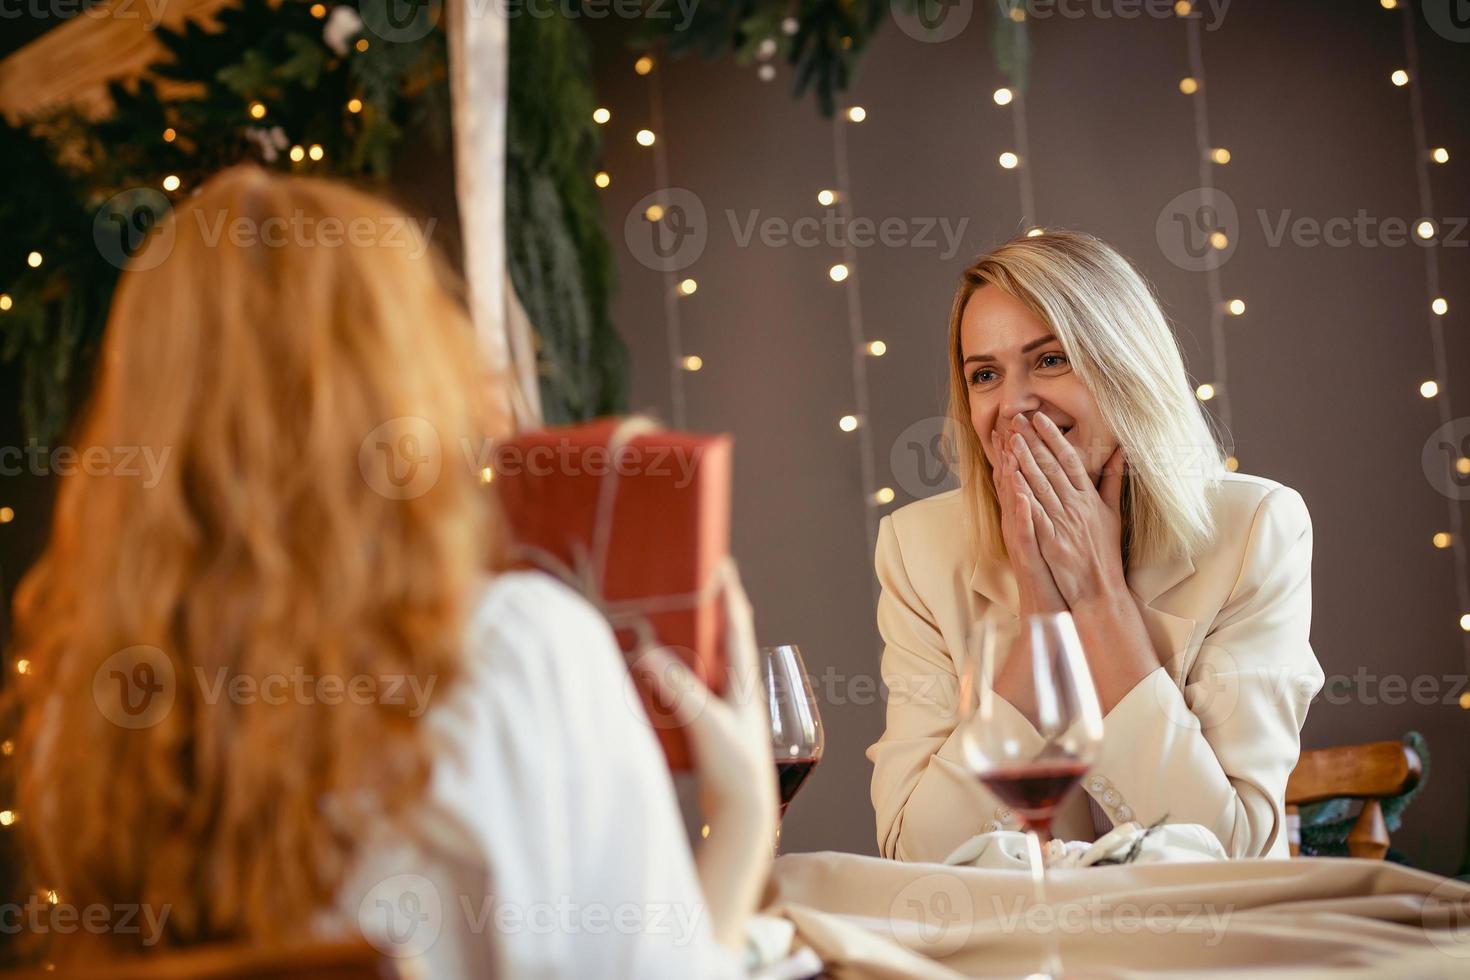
[(1090, 481)]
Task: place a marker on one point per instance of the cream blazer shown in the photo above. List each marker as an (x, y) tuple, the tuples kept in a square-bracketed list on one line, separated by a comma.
[(1209, 737)]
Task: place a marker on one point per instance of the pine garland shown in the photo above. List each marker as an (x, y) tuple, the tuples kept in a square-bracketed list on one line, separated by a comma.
[(265, 81)]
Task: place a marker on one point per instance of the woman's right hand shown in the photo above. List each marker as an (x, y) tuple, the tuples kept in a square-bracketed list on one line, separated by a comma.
[(730, 740), (1036, 590)]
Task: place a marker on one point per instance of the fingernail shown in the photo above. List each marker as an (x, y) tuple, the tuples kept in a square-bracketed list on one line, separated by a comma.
[(1022, 420)]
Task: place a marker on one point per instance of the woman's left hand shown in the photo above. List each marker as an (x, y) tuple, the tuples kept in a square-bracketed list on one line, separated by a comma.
[(1078, 526)]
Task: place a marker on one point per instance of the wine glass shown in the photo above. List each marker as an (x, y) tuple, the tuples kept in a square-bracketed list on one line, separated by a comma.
[(1030, 726), (796, 724)]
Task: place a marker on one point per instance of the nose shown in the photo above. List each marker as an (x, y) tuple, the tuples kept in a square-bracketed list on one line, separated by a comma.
[(1016, 396)]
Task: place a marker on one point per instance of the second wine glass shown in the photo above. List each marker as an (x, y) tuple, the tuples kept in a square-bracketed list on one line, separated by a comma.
[(797, 738), (1030, 726)]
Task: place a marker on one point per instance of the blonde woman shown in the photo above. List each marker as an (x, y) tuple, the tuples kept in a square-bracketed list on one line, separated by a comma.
[(1091, 482), (288, 692)]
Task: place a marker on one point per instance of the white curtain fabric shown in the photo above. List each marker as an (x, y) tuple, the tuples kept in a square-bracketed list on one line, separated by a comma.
[(479, 89)]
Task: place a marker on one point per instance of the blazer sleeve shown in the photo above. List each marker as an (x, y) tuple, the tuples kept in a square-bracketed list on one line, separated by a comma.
[(1216, 747), (926, 801)]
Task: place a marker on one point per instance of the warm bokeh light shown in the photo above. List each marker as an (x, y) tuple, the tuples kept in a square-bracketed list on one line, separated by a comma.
[(298, 153), (826, 198), (1439, 155), (1003, 96), (1205, 392), (5, 301), (654, 212), (1009, 160), (884, 495), (877, 348), (1232, 464), (362, 45), (1035, 232), (316, 152), (1220, 155), (643, 65), (319, 10), (354, 106), (602, 178), (257, 110), (693, 362), (487, 475), (170, 134), (1425, 229), (688, 287), (847, 423), (857, 114), (171, 182), (1440, 306), (645, 137), (1399, 77), (838, 272), (601, 115), (1429, 388), (34, 260), (1219, 241), (7, 514), (1236, 307), (1188, 85), (1442, 539)]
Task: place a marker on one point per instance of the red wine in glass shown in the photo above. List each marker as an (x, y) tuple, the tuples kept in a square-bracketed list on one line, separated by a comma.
[(1035, 789), (797, 738), (790, 775)]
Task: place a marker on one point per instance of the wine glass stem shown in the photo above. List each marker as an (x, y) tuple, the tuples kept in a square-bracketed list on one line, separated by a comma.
[(1051, 964)]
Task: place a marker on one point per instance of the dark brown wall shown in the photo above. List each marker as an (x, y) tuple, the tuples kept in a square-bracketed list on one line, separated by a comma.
[(1324, 367)]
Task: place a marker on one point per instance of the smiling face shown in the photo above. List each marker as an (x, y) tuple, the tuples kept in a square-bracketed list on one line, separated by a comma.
[(1013, 363)]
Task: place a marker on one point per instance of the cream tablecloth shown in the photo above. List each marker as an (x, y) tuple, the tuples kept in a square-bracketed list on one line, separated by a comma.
[(1318, 917)]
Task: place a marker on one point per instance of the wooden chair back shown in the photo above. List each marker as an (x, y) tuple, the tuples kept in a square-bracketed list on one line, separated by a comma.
[(1371, 772)]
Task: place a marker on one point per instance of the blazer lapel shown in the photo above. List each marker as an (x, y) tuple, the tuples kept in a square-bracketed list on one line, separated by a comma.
[(1171, 635)]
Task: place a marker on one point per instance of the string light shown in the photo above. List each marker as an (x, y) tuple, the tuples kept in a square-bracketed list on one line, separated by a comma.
[(1399, 78), (319, 10), (688, 287), (354, 106), (645, 137), (1003, 96), (257, 110), (1429, 388), (679, 363), (602, 178), (1009, 160), (171, 183), (1210, 156), (6, 302), (826, 198), (7, 818), (1442, 539), (1439, 155), (693, 362), (1462, 466), (362, 45), (316, 152), (856, 114), (1465, 622), (1440, 306), (601, 115), (877, 348), (7, 514), (643, 65), (848, 423), (22, 666), (7, 747), (1389, 4), (1425, 229), (298, 153), (884, 495), (34, 260), (170, 134), (1183, 8), (654, 212), (837, 273), (487, 475)]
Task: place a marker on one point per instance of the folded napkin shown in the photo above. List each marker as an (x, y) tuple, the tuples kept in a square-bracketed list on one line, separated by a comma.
[(1174, 842)]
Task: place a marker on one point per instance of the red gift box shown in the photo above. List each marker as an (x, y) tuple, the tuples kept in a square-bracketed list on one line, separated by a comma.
[(638, 519)]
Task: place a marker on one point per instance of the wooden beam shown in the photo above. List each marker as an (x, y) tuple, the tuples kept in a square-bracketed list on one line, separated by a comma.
[(72, 64)]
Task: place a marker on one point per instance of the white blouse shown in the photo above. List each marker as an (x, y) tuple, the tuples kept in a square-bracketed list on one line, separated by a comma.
[(551, 844)]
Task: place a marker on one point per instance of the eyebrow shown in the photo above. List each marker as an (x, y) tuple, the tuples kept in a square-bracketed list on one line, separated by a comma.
[(1039, 342)]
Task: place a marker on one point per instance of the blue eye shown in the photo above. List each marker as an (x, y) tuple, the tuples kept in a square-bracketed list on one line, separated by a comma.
[(981, 376), (1052, 360)]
